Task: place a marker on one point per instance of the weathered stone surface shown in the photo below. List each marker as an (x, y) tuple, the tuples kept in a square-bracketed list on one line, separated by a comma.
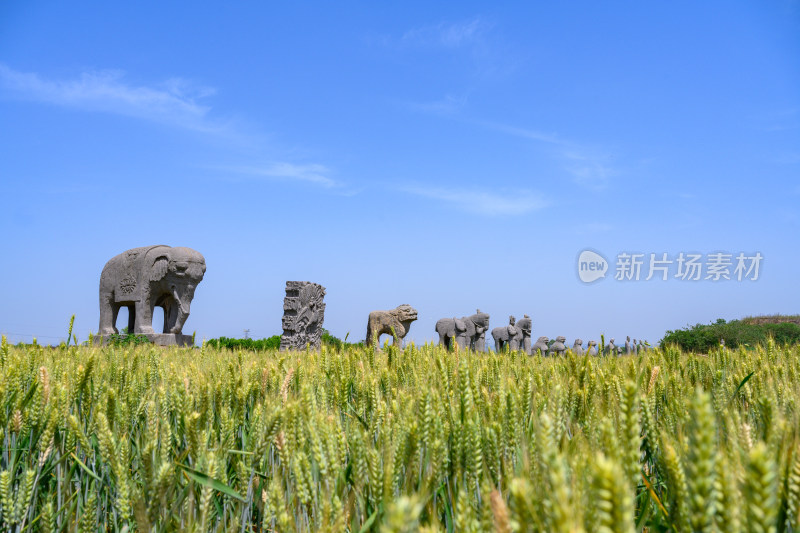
[(628, 345), (144, 278), (540, 346), (611, 348), (515, 336), (578, 347), (303, 315), (558, 347), (592, 348), (398, 320), (468, 331)]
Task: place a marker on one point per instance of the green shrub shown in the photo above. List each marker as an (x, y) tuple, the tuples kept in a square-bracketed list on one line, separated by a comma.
[(270, 343), (706, 337)]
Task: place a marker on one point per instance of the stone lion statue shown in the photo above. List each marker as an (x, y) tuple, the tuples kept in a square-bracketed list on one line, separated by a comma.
[(382, 322)]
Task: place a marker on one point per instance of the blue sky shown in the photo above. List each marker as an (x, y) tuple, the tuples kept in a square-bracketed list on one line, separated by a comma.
[(448, 156)]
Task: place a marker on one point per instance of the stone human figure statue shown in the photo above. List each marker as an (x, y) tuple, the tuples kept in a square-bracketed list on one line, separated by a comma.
[(578, 347), (628, 345), (641, 348), (515, 336), (467, 332), (611, 349), (634, 347), (558, 347), (592, 348)]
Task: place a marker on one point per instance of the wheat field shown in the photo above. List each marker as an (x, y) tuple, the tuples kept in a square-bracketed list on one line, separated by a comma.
[(143, 438)]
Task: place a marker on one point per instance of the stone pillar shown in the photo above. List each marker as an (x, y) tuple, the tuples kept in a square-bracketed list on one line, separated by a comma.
[(303, 314)]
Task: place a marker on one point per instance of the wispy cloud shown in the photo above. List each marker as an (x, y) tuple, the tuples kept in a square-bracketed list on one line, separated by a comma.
[(483, 202), (588, 170), (534, 135), (448, 34), (175, 101), (589, 167), (448, 105), (310, 173)]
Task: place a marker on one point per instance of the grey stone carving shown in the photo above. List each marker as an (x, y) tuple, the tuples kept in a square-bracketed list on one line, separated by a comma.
[(515, 336), (634, 347), (611, 348), (558, 347), (592, 348), (468, 331), (578, 347), (398, 320), (303, 314), (540, 346), (144, 278), (628, 345)]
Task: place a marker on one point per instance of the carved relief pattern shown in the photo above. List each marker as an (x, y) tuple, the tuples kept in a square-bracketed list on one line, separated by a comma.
[(303, 315)]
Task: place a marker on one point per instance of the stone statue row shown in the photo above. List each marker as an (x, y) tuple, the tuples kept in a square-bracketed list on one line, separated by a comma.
[(142, 279)]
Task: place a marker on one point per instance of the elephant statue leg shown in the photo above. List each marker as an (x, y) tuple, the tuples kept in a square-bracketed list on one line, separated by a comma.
[(443, 340), (131, 318), (144, 318), (462, 341), (108, 314)]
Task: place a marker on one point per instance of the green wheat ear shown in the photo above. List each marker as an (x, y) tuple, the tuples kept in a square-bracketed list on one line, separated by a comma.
[(760, 490), (700, 467), (611, 502), (69, 331)]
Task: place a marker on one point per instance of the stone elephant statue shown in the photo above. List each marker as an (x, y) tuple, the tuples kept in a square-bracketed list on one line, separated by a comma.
[(143, 278), (515, 336), (468, 331)]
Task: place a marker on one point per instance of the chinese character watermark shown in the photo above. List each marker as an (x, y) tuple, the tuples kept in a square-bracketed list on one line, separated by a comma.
[(684, 266)]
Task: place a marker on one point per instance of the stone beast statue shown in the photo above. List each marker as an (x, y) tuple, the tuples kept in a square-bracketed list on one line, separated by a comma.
[(395, 322), (516, 336), (468, 331), (540, 346), (143, 278), (558, 347), (578, 347)]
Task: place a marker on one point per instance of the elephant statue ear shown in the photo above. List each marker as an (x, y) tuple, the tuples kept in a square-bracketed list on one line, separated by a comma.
[(159, 269), (460, 325)]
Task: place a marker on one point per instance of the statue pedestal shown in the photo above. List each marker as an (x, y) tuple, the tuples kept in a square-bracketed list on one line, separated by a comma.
[(159, 339)]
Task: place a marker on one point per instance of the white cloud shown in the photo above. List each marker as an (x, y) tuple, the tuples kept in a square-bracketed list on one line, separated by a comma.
[(447, 34), (310, 173), (589, 167), (173, 102), (534, 135), (587, 170), (448, 105), (483, 202)]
